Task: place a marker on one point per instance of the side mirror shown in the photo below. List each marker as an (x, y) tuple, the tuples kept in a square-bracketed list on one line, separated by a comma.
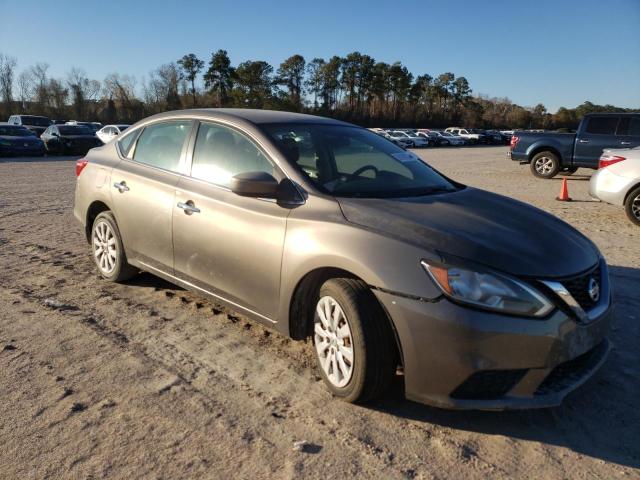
[(254, 184)]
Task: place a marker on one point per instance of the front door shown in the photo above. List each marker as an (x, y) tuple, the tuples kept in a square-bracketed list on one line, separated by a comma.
[(226, 244), (143, 191)]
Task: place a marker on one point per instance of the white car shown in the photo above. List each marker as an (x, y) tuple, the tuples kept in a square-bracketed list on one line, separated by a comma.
[(617, 180), (108, 132), (402, 140), (416, 141), (464, 133)]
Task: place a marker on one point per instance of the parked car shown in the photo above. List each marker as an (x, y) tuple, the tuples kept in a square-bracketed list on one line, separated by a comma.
[(69, 139), (426, 134), (34, 123), (19, 140), (401, 140), (551, 153), (416, 141), (495, 137), (318, 228), (58, 122), (109, 132), (455, 140), (617, 180), (93, 126), (471, 137)]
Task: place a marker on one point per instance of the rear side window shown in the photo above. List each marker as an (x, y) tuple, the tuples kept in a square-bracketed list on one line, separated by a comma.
[(221, 152), (605, 125), (126, 143), (160, 145), (629, 126)]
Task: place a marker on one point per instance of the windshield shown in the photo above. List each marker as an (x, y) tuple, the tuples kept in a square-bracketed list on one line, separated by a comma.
[(75, 130), (11, 131), (353, 162), (35, 121)]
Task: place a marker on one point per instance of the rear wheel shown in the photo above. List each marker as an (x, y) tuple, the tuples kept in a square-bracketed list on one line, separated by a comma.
[(545, 165), (353, 342), (632, 206), (108, 251)]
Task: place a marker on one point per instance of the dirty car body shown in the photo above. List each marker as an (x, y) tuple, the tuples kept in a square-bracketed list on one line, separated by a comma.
[(490, 303)]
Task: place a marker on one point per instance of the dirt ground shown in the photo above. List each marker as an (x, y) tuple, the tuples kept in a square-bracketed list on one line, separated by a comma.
[(146, 380)]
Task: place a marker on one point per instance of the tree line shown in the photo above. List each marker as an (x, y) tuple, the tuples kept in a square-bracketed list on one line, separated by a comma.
[(355, 88)]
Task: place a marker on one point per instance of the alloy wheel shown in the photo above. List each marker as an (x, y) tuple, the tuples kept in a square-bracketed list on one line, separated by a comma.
[(544, 165), (333, 341), (635, 207), (104, 247)]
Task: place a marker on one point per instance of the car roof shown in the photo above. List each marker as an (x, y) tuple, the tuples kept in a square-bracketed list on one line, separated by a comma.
[(254, 116)]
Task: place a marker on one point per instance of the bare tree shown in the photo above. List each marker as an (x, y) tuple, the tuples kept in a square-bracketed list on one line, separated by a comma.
[(7, 72), (41, 80), (25, 88)]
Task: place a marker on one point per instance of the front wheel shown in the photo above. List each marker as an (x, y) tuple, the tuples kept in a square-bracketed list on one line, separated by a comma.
[(545, 165), (108, 251), (632, 206), (353, 342)]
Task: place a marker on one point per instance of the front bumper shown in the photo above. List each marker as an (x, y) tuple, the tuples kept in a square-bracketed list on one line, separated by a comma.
[(461, 358)]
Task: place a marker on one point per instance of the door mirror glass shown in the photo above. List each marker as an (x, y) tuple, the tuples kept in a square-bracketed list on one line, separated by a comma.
[(254, 184)]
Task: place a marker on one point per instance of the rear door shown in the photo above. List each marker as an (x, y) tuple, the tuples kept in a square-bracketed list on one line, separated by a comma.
[(628, 133), (143, 189), (598, 133), (225, 244)]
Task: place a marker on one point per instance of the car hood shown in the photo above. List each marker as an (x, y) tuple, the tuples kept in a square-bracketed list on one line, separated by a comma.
[(499, 232)]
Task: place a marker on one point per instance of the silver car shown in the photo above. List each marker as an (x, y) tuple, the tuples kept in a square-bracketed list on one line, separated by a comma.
[(617, 180), (324, 230)]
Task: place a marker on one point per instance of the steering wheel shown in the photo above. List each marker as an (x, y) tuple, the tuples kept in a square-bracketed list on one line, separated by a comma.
[(364, 168)]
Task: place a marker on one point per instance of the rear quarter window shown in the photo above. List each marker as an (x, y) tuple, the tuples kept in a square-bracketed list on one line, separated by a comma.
[(125, 143)]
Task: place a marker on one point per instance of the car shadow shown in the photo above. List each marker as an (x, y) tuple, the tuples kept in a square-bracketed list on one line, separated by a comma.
[(145, 279), (47, 158), (601, 419), (582, 178)]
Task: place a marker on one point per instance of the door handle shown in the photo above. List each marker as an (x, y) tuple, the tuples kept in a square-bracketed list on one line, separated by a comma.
[(122, 186), (625, 143), (188, 207), (583, 140)]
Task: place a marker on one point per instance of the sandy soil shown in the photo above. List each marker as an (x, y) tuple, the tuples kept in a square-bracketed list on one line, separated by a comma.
[(146, 380)]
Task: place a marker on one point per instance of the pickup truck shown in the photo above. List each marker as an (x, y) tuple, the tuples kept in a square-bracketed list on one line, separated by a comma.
[(551, 153)]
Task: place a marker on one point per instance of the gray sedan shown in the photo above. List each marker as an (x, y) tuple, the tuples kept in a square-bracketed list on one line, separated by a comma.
[(323, 230)]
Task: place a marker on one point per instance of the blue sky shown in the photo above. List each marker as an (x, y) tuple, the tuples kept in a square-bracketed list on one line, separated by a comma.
[(557, 52)]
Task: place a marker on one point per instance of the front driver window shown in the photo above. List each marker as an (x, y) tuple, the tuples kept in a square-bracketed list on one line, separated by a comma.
[(160, 145), (221, 152)]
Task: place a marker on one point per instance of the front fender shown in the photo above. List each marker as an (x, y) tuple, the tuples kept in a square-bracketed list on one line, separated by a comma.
[(378, 260)]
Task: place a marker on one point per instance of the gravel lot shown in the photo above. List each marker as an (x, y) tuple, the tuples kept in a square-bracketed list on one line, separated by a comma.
[(146, 380)]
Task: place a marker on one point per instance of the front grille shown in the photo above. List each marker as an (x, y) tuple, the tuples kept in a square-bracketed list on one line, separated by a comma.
[(578, 287), (568, 373), (488, 384)]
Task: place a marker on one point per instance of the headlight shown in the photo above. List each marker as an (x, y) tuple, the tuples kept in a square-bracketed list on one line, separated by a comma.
[(5, 142), (489, 290)]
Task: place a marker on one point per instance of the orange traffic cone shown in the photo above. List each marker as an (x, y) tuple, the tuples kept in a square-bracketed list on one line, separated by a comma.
[(564, 192)]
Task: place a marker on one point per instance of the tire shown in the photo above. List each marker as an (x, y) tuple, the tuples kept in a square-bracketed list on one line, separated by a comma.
[(368, 338), (545, 165), (632, 206), (113, 265)]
